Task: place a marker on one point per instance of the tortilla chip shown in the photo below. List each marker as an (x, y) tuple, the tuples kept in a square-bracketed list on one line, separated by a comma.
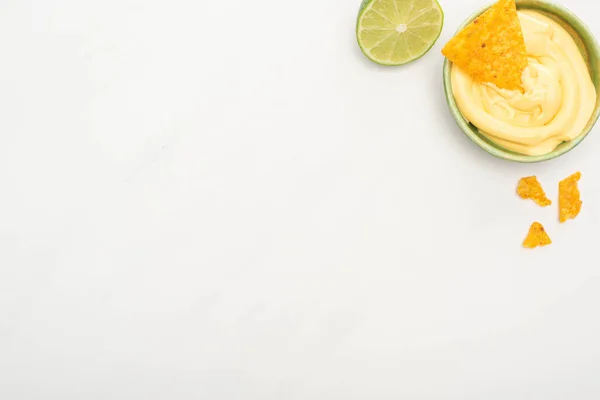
[(491, 48), (530, 188), (537, 236), (569, 202)]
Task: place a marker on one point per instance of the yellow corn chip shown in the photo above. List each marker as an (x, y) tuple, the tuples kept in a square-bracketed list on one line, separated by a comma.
[(491, 48), (569, 202), (530, 188), (537, 236)]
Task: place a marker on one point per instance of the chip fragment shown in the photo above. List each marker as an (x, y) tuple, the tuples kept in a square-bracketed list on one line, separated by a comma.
[(491, 48), (530, 188), (569, 201), (537, 236)]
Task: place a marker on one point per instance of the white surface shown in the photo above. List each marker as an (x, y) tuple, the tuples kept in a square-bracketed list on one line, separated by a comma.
[(226, 200)]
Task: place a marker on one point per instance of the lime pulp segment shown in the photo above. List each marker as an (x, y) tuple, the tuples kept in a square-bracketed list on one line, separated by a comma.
[(395, 32)]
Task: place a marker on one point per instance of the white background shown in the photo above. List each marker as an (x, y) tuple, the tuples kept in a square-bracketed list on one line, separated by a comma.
[(226, 200)]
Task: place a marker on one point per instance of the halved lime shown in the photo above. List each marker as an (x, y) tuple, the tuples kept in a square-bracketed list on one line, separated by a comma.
[(395, 32)]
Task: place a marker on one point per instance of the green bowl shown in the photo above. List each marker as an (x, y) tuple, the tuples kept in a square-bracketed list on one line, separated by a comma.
[(591, 53)]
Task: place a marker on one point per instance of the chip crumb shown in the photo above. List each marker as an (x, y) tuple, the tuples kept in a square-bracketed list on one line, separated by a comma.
[(491, 48), (530, 188), (569, 201), (537, 236)]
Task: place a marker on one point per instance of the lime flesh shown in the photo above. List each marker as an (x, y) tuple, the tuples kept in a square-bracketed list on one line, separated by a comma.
[(395, 32)]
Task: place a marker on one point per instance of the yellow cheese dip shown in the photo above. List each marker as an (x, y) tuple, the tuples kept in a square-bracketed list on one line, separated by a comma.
[(559, 96)]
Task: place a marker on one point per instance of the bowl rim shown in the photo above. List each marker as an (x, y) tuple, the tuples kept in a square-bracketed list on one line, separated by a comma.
[(591, 45)]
